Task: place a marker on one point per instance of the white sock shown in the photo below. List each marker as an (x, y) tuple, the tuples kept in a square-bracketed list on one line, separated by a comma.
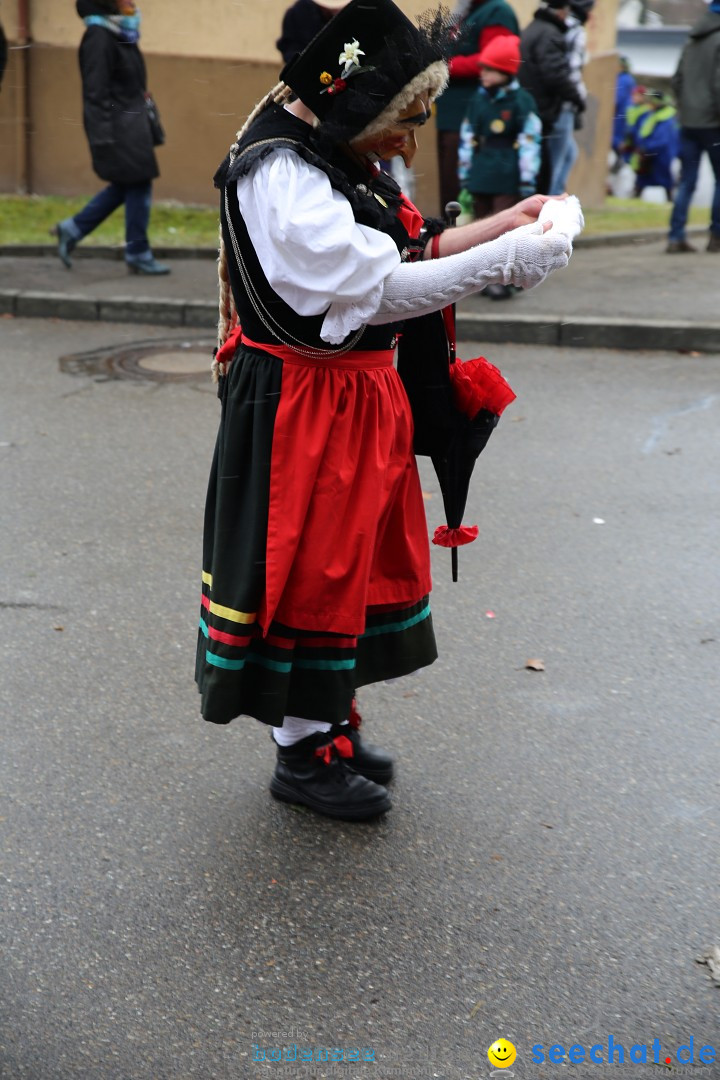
[(294, 728)]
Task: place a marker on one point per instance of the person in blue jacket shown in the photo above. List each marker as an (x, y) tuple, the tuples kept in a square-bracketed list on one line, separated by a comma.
[(624, 86), (656, 145)]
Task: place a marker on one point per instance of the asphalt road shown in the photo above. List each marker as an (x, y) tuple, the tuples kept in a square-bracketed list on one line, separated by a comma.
[(549, 873)]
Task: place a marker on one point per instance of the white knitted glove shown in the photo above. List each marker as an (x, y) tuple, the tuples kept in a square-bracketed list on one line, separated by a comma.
[(522, 257)]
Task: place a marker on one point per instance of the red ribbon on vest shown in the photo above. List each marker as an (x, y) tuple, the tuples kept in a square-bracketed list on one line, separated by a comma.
[(227, 350), (410, 218)]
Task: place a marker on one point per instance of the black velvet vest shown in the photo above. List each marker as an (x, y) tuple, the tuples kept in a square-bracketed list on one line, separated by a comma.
[(375, 202)]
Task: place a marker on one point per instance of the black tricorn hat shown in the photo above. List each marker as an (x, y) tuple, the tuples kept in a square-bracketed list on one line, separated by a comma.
[(367, 59)]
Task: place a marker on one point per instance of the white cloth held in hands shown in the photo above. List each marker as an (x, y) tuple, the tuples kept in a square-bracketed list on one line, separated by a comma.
[(565, 214)]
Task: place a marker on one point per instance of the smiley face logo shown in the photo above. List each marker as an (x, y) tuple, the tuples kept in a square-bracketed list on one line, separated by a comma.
[(501, 1054)]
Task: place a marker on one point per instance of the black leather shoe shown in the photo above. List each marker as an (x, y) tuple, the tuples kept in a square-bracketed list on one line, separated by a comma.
[(65, 244), (368, 760), (314, 773), (679, 247)]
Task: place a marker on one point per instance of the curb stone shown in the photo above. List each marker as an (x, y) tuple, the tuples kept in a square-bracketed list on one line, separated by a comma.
[(49, 305), (591, 333), (105, 251), (577, 332)]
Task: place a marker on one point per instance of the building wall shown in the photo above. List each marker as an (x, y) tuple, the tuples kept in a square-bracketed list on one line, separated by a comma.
[(206, 72)]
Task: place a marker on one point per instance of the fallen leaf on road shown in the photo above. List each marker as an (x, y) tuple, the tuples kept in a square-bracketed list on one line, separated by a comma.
[(711, 957)]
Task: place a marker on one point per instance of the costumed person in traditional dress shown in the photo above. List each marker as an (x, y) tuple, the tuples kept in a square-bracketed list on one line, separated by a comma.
[(316, 572)]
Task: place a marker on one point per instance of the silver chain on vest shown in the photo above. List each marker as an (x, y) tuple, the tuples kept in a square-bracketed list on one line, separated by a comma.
[(264, 315)]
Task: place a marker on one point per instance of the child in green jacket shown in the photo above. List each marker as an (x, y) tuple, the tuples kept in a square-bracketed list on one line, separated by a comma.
[(500, 137)]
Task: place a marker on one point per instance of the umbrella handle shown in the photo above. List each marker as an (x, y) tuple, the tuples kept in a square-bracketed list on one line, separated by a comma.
[(452, 213), (453, 210), (448, 314)]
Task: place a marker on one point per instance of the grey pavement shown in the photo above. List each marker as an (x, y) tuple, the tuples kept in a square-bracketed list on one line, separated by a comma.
[(549, 872), (630, 295)]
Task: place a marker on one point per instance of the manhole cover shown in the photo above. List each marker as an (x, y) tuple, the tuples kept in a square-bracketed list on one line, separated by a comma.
[(167, 361)]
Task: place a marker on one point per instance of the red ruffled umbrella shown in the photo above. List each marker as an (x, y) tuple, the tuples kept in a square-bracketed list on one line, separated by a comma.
[(456, 405), (480, 394)]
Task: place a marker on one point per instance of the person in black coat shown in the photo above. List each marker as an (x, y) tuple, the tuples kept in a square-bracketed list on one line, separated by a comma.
[(301, 22), (119, 130), (546, 72)]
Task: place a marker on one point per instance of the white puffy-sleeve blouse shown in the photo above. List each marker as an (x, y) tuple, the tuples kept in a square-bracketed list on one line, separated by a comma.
[(313, 253)]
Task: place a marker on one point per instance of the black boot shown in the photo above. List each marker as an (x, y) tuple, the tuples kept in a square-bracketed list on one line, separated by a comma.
[(315, 773), (368, 760)]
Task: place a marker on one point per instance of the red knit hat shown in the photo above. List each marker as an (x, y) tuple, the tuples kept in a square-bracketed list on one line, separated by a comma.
[(502, 54)]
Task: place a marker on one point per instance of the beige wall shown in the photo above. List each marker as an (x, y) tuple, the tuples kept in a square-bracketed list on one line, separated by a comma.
[(232, 29), (8, 17), (208, 64)]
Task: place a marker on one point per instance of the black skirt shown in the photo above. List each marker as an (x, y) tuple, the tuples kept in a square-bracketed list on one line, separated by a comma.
[(268, 672)]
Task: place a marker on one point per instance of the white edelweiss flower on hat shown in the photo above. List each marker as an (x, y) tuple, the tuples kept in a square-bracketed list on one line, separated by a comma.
[(351, 55)]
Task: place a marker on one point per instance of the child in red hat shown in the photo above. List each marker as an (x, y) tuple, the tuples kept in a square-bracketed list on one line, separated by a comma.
[(500, 137)]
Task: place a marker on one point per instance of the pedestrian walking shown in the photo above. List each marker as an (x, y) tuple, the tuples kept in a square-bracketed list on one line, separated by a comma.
[(546, 72), (500, 139), (570, 120), (301, 22), (122, 127), (476, 23), (696, 84), (316, 573)]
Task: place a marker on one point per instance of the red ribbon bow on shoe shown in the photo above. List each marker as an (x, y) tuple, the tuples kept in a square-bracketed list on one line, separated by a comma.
[(340, 745), (354, 719)]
